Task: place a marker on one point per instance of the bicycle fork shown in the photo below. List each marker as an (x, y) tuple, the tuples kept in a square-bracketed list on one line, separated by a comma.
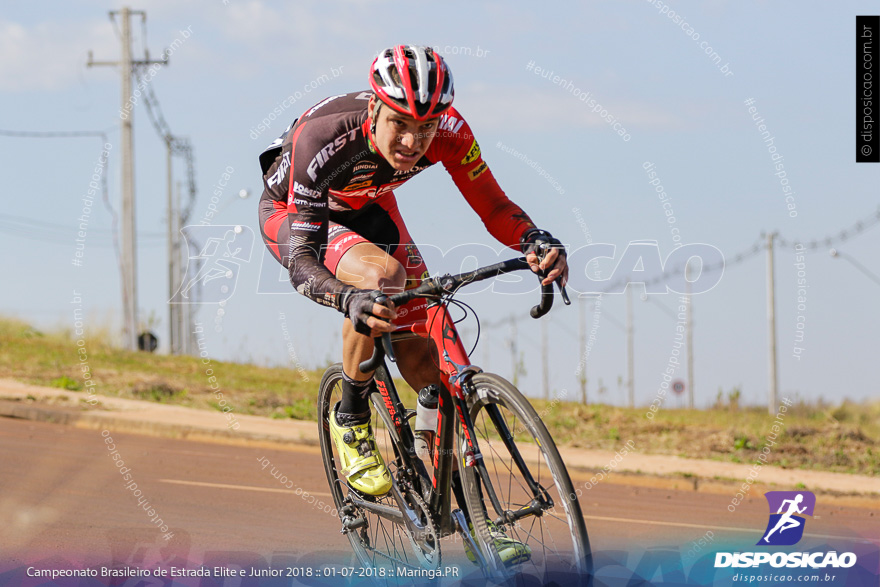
[(473, 457)]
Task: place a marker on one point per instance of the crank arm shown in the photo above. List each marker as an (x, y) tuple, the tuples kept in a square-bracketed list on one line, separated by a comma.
[(383, 511)]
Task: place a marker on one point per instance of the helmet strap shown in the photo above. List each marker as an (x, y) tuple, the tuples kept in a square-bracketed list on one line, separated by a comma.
[(375, 117), (373, 121)]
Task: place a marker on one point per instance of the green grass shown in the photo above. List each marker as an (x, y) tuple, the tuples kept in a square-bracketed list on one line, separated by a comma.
[(52, 359), (839, 438), (842, 438), (65, 382)]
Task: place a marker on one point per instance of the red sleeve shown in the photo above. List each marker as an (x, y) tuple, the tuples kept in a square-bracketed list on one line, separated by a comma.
[(459, 151)]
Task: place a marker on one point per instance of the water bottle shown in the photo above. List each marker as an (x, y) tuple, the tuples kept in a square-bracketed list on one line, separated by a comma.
[(426, 420)]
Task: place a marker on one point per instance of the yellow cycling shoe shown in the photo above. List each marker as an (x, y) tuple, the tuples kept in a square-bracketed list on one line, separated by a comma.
[(359, 456), (510, 551)]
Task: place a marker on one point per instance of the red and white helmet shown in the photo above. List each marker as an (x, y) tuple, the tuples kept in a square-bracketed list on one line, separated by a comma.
[(412, 80)]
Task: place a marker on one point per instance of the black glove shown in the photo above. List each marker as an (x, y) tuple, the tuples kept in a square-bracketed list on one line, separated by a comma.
[(358, 306), (533, 238)]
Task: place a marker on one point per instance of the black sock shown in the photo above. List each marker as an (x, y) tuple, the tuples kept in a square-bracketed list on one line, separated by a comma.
[(355, 398)]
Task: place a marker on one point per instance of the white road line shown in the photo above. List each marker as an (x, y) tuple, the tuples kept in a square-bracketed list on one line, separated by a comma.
[(726, 528), (242, 487), (598, 518)]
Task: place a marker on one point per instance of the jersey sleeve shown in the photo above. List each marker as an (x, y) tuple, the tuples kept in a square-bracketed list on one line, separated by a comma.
[(308, 213), (460, 153)]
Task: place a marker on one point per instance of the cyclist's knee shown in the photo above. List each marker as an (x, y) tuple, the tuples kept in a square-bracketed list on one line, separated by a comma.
[(388, 276)]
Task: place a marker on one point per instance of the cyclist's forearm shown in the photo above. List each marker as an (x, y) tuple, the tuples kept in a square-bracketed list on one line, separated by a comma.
[(508, 223), (309, 221), (504, 220), (310, 278)]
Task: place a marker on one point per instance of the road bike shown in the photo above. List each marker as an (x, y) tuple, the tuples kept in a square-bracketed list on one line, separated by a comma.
[(490, 449)]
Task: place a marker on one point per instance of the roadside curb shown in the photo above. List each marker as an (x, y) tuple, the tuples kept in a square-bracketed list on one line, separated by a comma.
[(41, 404), (107, 421)]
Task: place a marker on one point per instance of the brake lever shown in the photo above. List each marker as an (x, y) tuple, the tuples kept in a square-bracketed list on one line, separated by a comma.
[(558, 281), (380, 349), (386, 344), (546, 301), (386, 336), (562, 291)]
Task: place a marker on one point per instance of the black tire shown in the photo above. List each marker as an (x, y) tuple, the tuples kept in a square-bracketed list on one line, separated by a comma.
[(380, 544), (560, 547)]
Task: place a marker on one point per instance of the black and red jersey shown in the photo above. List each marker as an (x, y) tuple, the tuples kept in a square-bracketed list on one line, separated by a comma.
[(325, 168)]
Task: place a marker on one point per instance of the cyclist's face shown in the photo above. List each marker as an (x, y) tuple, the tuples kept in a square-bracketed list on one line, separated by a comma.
[(402, 139)]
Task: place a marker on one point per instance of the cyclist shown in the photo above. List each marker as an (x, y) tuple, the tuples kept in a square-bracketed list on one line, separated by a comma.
[(329, 215)]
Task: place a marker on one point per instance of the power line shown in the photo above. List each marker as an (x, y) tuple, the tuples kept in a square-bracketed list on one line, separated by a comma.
[(739, 258), (105, 196), (54, 133), (856, 229), (49, 231), (180, 146)]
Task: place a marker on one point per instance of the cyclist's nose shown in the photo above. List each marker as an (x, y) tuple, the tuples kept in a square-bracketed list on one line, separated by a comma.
[(408, 140)]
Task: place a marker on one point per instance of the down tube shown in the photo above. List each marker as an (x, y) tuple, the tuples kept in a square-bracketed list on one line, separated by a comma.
[(442, 330)]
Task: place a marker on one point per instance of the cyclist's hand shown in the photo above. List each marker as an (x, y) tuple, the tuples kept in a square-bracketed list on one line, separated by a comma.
[(368, 317), (553, 260)]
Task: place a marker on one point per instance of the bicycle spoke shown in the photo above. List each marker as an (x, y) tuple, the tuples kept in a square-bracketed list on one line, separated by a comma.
[(380, 543), (556, 538), (509, 470), (530, 534)]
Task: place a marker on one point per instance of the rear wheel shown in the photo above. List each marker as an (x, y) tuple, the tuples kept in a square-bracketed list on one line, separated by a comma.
[(555, 534), (377, 541)]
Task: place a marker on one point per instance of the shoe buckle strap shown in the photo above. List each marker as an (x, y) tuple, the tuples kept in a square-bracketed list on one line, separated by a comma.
[(364, 449), (361, 465)]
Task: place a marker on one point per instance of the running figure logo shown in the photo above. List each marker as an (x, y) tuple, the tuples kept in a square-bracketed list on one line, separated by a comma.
[(211, 273), (786, 526)]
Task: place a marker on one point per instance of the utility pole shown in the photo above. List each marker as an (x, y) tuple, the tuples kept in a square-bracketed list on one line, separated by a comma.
[(690, 337), (187, 309), (545, 359), (173, 311), (514, 366), (486, 346), (179, 312), (582, 339), (771, 323), (129, 244), (630, 365)]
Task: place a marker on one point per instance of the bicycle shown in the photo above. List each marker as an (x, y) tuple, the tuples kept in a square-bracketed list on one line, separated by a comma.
[(506, 456)]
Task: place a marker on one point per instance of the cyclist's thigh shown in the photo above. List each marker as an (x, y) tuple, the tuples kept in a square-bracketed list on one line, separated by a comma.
[(402, 248), (275, 229), (383, 226)]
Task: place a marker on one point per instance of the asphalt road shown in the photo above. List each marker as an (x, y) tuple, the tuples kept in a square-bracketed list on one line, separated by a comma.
[(62, 499)]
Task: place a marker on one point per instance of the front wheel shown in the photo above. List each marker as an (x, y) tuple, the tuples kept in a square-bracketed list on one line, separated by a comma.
[(554, 530)]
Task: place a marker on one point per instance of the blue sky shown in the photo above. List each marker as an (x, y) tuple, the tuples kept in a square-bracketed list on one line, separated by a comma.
[(243, 58)]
